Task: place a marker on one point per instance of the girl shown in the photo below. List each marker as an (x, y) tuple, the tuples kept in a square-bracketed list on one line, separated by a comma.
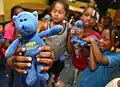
[(10, 34), (58, 13), (104, 21), (89, 18), (102, 61)]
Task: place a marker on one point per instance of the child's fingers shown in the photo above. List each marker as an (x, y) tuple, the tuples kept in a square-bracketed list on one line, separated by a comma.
[(44, 54), (73, 31), (89, 45), (19, 51), (21, 71), (79, 32), (20, 65), (45, 48), (45, 61), (45, 68), (22, 59)]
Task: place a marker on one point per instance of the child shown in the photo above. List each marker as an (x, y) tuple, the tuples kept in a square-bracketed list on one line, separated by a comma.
[(104, 21), (89, 18), (58, 13), (10, 34), (102, 61), (3, 78)]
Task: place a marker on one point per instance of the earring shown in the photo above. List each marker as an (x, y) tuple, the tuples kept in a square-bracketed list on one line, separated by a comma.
[(112, 48)]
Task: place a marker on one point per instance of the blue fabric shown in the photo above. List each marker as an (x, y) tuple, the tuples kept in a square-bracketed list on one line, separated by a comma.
[(102, 74), (114, 59), (75, 38), (1, 38), (3, 78)]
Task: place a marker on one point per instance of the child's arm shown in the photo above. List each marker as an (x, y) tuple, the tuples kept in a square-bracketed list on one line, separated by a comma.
[(43, 27), (69, 44), (92, 62), (97, 53)]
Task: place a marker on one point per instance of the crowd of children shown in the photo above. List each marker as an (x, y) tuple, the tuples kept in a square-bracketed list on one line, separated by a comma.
[(96, 61)]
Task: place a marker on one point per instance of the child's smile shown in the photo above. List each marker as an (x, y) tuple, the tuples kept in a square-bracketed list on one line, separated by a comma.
[(104, 42)]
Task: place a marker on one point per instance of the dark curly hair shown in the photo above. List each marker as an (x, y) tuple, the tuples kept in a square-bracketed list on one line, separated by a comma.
[(14, 8), (65, 4)]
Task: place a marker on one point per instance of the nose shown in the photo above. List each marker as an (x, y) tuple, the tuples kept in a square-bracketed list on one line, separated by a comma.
[(56, 13), (23, 27), (101, 40), (88, 17)]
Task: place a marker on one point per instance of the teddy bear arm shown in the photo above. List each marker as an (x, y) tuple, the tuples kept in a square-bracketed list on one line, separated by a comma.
[(12, 48)]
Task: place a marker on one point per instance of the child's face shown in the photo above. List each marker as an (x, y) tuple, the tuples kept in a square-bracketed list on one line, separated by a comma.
[(102, 21), (87, 18), (58, 13), (17, 11), (104, 41)]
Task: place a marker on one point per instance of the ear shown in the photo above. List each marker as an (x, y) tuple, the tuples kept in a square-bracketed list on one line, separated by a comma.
[(14, 17), (35, 13)]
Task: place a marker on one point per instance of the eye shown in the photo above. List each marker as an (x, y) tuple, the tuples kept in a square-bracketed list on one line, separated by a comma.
[(21, 20), (85, 14), (25, 19)]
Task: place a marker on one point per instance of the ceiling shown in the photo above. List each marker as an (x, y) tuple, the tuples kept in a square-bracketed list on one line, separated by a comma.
[(115, 5)]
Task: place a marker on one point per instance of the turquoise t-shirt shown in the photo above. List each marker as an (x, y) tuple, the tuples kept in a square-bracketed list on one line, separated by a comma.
[(102, 74)]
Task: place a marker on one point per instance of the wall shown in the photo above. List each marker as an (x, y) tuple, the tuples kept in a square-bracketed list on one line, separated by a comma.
[(78, 4), (8, 4), (112, 12)]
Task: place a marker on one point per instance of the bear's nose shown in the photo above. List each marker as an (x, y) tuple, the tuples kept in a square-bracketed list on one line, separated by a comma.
[(23, 27)]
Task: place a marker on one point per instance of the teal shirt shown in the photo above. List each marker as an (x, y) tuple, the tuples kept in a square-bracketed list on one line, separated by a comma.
[(102, 74)]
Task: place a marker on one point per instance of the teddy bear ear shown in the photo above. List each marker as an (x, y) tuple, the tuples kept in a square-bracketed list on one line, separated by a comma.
[(35, 13), (14, 17)]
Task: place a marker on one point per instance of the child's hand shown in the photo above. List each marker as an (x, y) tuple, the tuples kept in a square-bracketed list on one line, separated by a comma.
[(72, 32), (46, 56), (19, 62), (76, 31), (79, 32), (89, 39)]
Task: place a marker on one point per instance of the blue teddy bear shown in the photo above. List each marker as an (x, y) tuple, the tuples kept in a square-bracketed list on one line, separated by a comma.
[(75, 38), (26, 24)]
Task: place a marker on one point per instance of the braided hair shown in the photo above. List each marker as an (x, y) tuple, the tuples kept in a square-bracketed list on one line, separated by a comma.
[(114, 36)]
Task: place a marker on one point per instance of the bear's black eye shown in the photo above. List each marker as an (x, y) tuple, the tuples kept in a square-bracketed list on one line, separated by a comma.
[(21, 20), (25, 19)]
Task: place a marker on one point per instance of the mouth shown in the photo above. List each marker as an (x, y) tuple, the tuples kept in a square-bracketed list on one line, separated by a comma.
[(55, 18), (25, 32), (86, 22)]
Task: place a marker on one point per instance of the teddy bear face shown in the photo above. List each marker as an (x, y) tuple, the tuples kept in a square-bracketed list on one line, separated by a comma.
[(26, 23)]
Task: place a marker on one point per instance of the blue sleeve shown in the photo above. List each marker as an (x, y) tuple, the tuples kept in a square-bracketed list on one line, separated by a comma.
[(113, 59)]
